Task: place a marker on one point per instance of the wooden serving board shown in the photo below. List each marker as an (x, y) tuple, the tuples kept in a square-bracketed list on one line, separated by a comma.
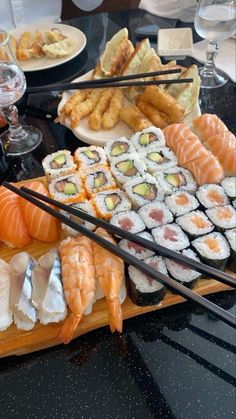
[(20, 342)]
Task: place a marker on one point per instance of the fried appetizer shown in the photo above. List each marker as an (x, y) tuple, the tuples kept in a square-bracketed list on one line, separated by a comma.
[(133, 117), (53, 35), (95, 118), (23, 50), (112, 114), (157, 118), (86, 107), (73, 101), (164, 102), (36, 48), (3, 54), (60, 49)]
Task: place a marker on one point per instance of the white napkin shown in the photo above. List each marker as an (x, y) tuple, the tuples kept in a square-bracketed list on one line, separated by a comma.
[(225, 59)]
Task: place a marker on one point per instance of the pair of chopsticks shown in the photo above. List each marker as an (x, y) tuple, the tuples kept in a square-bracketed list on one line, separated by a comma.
[(36, 199), (113, 82)]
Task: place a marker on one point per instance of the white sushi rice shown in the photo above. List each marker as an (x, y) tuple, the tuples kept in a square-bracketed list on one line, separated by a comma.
[(205, 251), (120, 176), (136, 249), (68, 167), (83, 206), (168, 188), (128, 220), (109, 145), (147, 213), (177, 209), (140, 280), (155, 166), (204, 198), (229, 185), (180, 272), (92, 174), (160, 142), (215, 216), (139, 200), (84, 161), (231, 237), (186, 222), (177, 240)]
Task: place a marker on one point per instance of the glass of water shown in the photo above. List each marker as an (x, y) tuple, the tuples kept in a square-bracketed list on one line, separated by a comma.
[(214, 21), (17, 140)]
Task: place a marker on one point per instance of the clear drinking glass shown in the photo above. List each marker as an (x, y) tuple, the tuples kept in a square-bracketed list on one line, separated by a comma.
[(214, 21), (17, 140)]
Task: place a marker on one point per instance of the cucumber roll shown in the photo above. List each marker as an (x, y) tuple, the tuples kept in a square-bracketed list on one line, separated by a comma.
[(151, 135), (118, 147), (142, 190), (213, 249), (171, 236), (67, 189), (128, 220), (58, 164), (223, 217), (127, 167), (108, 203), (82, 206), (212, 195), (183, 274), (195, 224), (144, 290), (231, 237), (98, 179), (90, 156), (158, 159), (176, 179), (229, 185), (136, 249), (155, 214), (181, 202)]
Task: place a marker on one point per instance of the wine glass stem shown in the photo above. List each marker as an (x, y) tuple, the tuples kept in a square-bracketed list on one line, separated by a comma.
[(16, 132), (212, 50)]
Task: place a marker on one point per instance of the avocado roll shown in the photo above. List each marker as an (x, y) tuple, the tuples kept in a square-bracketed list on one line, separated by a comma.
[(127, 167), (136, 249), (151, 135), (231, 237), (67, 189), (144, 290), (176, 179), (108, 203), (223, 217), (171, 236), (155, 214), (158, 159), (181, 273), (90, 156), (142, 190), (128, 220), (85, 206), (98, 179), (58, 164), (229, 185), (181, 202), (195, 224), (213, 249), (212, 195), (118, 147)]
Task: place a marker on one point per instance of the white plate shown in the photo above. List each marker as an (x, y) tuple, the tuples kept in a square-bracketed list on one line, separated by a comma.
[(35, 64), (99, 138)]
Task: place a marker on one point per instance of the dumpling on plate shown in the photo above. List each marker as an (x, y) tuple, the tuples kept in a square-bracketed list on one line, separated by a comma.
[(53, 35), (60, 49)]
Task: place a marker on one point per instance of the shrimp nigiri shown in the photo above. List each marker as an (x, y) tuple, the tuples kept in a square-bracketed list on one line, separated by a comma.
[(78, 277), (110, 273)]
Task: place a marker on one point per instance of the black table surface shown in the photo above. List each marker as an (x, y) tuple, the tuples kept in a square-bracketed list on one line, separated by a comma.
[(174, 363)]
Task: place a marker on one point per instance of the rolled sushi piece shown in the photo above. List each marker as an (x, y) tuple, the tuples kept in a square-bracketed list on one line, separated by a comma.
[(231, 237), (183, 274), (181, 202), (142, 190), (229, 185), (118, 147), (128, 220), (155, 214), (213, 249), (151, 135), (5, 309), (108, 203), (176, 179), (90, 156), (195, 224), (158, 159), (212, 195), (98, 179), (60, 163), (234, 203), (171, 236), (144, 290), (85, 206), (136, 249), (67, 189), (127, 167), (223, 217)]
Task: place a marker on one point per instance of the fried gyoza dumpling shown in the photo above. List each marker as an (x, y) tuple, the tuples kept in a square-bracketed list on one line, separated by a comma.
[(60, 49)]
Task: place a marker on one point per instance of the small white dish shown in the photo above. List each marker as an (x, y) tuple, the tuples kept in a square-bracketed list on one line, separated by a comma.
[(177, 42)]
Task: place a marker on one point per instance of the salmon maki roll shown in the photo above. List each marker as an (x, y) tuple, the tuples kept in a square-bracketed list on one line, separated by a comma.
[(13, 229), (207, 125), (223, 146)]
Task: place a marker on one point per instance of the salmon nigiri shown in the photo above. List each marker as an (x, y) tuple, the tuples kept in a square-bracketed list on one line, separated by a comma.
[(40, 225), (13, 230), (208, 125), (223, 146), (206, 169)]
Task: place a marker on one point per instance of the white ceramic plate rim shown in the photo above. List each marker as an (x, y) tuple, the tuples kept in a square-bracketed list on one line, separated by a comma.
[(100, 138), (44, 63)]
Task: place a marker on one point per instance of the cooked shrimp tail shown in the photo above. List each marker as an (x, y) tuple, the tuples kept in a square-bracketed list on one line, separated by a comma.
[(114, 314), (69, 328)]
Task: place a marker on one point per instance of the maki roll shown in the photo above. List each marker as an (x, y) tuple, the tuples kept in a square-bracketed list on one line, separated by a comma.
[(128, 220), (142, 190), (234, 203), (155, 214), (195, 224), (58, 164), (82, 206), (181, 202), (151, 135), (213, 249), (212, 195), (136, 249), (118, 147), (67, 189), (223, 217), (171, 236), (229, 185), (175, 179), (183, 274), (144, 290), (108, 203), (126, 167), (98, 179), (231, 237), (158, 158), (90, 156)]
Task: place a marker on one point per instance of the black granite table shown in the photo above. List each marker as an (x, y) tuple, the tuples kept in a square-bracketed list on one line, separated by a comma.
[(174, 363)]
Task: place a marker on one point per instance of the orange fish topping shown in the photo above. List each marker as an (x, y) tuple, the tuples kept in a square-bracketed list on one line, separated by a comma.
[(215, 196), (181, 199), (199, 221), (224, 213), (212, 244)]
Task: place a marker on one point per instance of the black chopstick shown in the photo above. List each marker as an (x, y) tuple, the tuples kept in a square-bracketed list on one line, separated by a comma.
[(131, 260), (177, 257)]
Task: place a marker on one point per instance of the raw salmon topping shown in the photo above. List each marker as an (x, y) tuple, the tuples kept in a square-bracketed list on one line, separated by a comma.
[(215, 196), (181, 200), (224, 213), (199, 221), (212, 244)]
